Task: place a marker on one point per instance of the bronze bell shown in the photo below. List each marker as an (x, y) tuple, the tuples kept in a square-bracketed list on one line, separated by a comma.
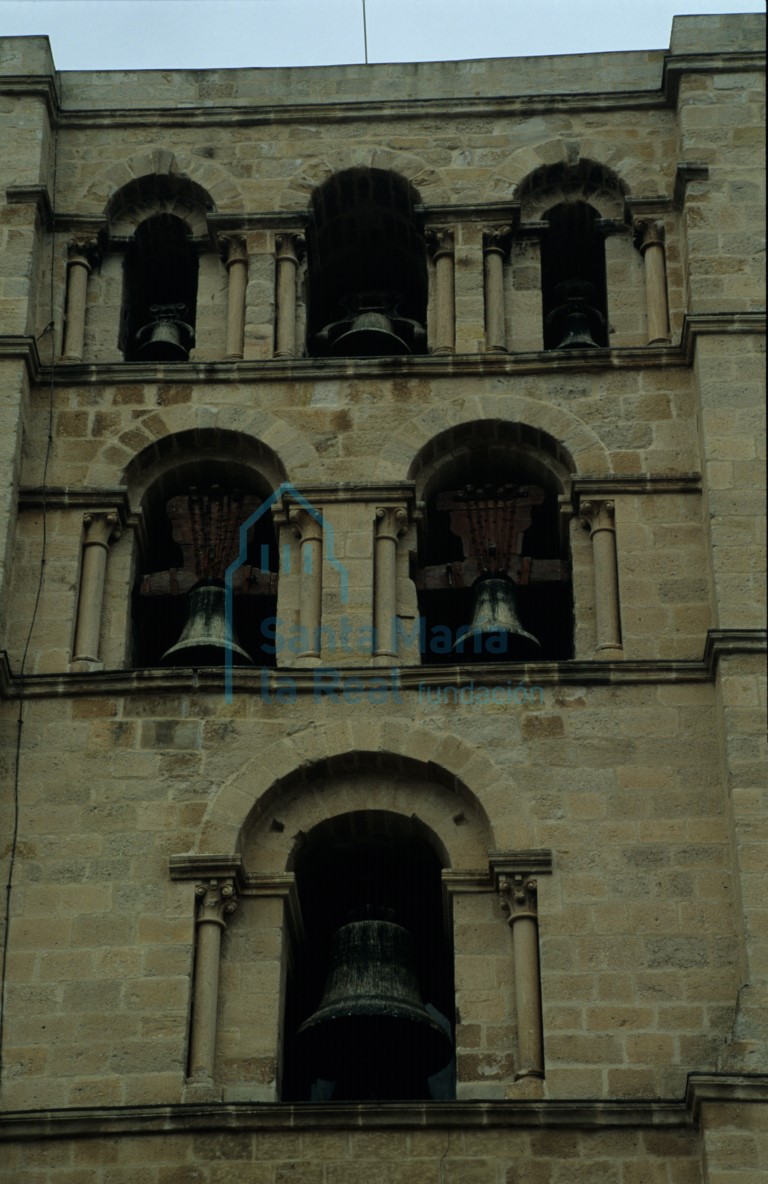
[(168, 337), (371, 1034), (494, 617), (577, 314), (205, 639), (370, 335)]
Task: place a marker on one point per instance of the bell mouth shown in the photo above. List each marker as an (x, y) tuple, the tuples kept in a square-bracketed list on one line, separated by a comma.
[(205, 640), (495, 631), (371, 1033)]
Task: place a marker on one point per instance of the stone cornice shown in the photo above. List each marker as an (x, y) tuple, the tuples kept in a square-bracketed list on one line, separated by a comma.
[(444, 108), (103, 1121), (45, 86), (598, 361), (37, 195), (612, 484), (404, 679), (201, 868), (66, 497), (676, 65), (708, 324)]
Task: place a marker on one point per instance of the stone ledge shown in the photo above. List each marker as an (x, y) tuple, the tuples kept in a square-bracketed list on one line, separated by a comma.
[(621, 672), (435, 366), (591, 1114)]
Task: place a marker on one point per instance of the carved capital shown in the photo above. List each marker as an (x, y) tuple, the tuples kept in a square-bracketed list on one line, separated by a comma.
[(101, 528), (597, 515), (648, 233), (83, 251), (441, 242), (496, 240), (234, 248), (289, 247), (216, 900), (305, 526), (391, 522), (519, 896)]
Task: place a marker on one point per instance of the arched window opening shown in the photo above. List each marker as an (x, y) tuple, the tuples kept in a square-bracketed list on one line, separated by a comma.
[(159, 292), (369, 1006), (492, 571), (193, 518), (573, 284), (367, 268)]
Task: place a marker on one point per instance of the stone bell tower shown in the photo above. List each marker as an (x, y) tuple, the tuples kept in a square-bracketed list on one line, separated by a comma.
[(381, 620)]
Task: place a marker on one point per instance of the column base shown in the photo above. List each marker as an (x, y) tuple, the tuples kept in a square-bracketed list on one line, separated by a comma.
[(201, 1090), (85, 666)]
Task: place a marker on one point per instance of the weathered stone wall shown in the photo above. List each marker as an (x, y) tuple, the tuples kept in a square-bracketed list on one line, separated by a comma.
[(637, 764)]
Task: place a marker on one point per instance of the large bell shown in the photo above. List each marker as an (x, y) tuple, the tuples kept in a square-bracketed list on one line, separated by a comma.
[(371, 1034), (577, 315), (168, 337), (495, 628), (370, 335), (205, 639)]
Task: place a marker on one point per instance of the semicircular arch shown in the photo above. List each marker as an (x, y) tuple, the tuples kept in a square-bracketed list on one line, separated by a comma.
[(301, 780), (429, 182), (156, 432), (159, 160), (573, 437)]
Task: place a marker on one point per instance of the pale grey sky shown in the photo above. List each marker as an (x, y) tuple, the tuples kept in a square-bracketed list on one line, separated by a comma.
[(200, 34)]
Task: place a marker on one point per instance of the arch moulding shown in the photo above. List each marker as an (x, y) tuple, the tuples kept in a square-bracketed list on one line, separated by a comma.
[(431, 186), (157, 160), (356, 752), (117, 459), (588, 451)]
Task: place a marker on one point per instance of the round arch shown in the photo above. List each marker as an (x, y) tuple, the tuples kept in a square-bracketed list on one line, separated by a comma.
[(430, 183), (159, 161), (462, 784), (155, 435), (414, 437)]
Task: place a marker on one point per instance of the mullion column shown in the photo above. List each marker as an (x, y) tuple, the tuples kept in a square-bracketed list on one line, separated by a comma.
[(100, 529), (216, 900), (599, 518)]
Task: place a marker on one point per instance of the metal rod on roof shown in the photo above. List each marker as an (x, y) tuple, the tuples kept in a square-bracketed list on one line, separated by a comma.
[(365, 35)]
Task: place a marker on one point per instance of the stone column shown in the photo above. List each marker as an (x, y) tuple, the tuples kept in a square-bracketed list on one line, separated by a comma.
[(495, 248), (650, 240), (236, 263), (310, 532), (598, 517), (82, 256), (442, 246), (215, 900), (288, 248), (518, 899), (101, 528), (391, 522)]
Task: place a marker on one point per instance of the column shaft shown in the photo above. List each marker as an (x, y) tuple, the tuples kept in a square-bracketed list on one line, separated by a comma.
[(525, 946), (390, 523), (100, 528), (442, 244), (494, 250), (287, 250), (519, 900), (237, 272), (310, 533), (651, 242), (216, 900), (598, 518), (81, 255)]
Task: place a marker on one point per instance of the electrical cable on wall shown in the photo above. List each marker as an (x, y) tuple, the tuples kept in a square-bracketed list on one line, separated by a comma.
[(49, 328)]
